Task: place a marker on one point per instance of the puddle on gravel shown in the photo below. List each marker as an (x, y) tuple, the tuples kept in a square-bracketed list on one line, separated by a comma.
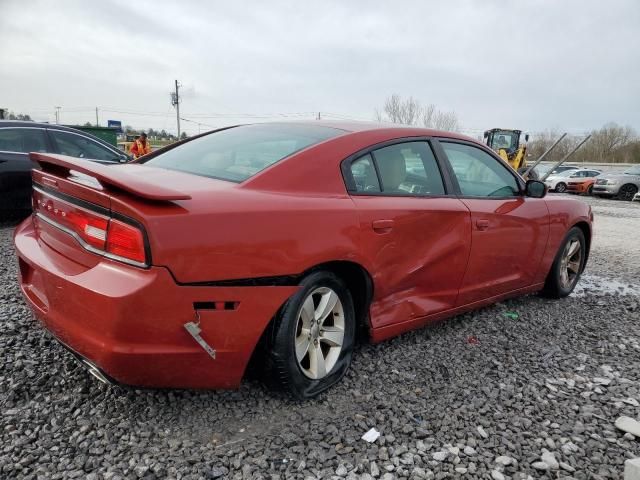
[(597, 285)]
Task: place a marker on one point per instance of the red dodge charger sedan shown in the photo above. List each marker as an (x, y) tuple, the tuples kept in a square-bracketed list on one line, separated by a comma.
[(282, 242)]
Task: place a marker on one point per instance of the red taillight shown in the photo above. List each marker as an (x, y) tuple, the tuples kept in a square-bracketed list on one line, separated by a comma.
[(96, 232), (126, 241), (92, 229)]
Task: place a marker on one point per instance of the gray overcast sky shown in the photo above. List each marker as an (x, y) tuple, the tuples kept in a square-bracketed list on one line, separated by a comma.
[(528, 64)]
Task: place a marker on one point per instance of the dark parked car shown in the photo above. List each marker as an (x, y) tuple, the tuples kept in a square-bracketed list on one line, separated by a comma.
[(17, 139)]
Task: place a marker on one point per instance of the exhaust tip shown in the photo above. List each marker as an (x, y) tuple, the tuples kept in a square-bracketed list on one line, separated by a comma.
[(96, 373)]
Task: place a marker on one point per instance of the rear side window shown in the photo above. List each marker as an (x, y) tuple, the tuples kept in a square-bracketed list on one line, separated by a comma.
[(364, 175), (81, 147), (238, 153), (408, 168), (22, 140)]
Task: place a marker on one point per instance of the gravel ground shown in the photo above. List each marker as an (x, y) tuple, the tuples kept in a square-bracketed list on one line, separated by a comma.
[(483, 395)]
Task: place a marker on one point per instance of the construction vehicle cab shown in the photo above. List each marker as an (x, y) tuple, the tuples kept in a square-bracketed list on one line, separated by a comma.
[(506, 143)]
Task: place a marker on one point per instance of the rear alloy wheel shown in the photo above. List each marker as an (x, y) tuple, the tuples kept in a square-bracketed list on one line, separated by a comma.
[(627, 192), (561, 187), (567, 266), (312, 339)]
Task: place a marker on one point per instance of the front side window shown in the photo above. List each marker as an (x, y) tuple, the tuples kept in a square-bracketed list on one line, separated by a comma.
[(478, 173), (22, 140), (81, 147), (408, 168), (239, 153)]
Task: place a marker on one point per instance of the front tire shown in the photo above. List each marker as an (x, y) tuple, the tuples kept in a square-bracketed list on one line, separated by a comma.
[(627, 192), (567, 266), (561, 187), (311, 342)]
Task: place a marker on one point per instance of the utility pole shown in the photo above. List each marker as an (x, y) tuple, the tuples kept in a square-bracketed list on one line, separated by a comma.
[(57, 115), (175, 101), (97, 123)]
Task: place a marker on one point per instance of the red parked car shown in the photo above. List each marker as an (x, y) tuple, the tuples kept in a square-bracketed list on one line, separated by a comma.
[(582, 181), (283, 242)]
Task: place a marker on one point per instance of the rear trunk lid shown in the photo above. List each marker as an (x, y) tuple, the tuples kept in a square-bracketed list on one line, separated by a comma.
[(81, 208)]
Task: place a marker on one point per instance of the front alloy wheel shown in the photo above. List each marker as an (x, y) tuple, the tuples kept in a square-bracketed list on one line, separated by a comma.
[(570, 264), (561, 187), (567, 266), (627, 192)]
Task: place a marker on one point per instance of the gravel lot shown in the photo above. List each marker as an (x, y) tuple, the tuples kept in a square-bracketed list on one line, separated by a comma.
[(483, 395)]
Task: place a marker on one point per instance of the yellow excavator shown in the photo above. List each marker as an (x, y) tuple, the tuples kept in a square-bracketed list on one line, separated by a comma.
[(506, 143)]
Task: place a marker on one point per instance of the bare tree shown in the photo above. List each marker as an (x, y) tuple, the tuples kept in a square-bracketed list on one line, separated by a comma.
[(439, 120), (611, 143), (411, 112), (397, 110), (608, 140)]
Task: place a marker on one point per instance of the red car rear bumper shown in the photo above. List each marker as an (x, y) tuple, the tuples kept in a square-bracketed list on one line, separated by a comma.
[(129, 322)]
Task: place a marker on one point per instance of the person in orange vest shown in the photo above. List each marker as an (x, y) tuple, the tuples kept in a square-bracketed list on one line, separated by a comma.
[(140, 146)]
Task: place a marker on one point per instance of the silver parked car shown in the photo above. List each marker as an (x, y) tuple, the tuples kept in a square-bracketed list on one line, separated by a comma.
[(622, 185)]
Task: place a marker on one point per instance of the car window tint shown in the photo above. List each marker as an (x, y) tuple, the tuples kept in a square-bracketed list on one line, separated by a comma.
[(238, 153), (364, 175), (408, 168), (22, 140), (81, 147), (478, 173)]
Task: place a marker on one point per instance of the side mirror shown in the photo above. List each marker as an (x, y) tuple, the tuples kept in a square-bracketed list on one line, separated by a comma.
[(535, 189), (526, 137)]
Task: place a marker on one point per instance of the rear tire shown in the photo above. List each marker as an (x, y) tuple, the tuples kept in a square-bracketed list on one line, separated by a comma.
[(590, 191), (311, 340), (567, 266), (561, 187)]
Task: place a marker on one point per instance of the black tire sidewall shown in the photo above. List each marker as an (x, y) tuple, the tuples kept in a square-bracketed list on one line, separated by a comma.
[(289, 374), (633, 190), (553, 285)]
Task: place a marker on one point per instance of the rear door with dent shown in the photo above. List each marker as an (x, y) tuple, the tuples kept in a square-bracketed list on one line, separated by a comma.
[(414, 233)]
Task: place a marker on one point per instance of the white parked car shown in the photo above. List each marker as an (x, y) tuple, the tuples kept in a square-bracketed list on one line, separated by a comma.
[(636, 197), (558, 182)]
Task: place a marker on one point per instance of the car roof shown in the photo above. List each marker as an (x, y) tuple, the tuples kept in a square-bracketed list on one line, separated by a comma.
[(29, 124), (353, 126)]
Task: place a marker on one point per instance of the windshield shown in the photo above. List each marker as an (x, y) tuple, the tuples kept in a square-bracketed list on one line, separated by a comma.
[(238, 153), (504, 139), (565, 173), (633, 170)]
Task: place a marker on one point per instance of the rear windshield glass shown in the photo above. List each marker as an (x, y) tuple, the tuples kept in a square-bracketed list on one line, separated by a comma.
[(240, 152)]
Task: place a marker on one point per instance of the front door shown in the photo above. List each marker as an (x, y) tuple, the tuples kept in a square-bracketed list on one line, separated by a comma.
[(415, 235), (509, 230)]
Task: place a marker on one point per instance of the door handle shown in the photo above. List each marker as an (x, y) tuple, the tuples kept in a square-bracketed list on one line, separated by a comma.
[(382, 226), (482, 224)]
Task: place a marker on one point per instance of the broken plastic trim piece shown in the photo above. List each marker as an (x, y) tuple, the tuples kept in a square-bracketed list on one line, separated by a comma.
[(194, 330)]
